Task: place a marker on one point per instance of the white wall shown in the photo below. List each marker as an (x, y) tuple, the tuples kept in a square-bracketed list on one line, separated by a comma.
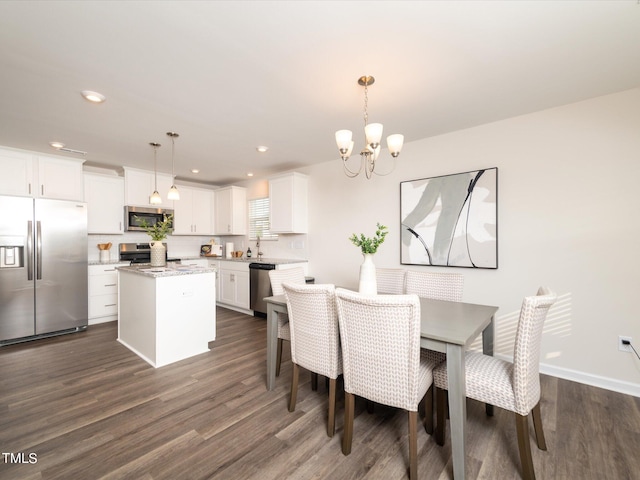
[(567, 193)]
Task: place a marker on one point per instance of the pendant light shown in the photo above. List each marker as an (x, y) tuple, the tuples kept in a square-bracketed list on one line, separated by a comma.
[(155, 198), (373, 138), (173, 191)]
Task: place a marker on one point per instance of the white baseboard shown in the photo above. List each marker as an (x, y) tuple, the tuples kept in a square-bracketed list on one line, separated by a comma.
[(619, 386)]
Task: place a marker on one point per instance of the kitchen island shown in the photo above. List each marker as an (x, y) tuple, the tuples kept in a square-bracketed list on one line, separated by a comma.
[(166, 314)]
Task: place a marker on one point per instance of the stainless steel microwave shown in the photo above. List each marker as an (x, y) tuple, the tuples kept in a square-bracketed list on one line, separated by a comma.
[(134, 217)]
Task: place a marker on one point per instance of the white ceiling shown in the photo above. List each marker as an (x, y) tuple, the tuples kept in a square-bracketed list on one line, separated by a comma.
[(231, 75)]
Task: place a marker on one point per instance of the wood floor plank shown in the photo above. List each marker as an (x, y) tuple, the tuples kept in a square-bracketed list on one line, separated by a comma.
[(90, 409)]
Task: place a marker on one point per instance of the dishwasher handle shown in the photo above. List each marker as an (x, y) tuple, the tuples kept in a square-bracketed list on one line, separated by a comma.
[(262, 266)]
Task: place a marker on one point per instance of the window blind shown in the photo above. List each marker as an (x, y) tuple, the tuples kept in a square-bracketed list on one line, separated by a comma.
[(259, 219)]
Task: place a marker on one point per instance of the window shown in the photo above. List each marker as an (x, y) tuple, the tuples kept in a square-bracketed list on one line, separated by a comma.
[(259, 220)]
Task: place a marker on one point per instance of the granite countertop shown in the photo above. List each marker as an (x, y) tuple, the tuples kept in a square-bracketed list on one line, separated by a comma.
[(110, 262), (168, 271)]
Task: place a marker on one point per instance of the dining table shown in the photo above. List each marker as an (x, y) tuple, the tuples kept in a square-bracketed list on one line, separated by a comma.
[(448, 327)]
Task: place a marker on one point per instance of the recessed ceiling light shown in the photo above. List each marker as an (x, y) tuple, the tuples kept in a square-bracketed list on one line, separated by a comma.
[(250, 174), (262, 148), (195, 170), (56, 145), (94, 97)]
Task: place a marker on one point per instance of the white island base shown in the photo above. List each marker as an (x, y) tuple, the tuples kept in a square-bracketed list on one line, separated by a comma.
[(166, 317)]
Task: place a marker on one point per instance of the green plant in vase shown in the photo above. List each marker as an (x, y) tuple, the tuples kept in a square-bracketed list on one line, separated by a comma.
[(159, 230), (369, 246)]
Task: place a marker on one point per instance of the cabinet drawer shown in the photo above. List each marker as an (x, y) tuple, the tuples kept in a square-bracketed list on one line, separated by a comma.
[(103, 285), (103, 305), (104, 269)]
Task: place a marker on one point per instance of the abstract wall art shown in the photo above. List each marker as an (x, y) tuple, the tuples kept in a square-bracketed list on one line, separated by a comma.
[(451, 220)]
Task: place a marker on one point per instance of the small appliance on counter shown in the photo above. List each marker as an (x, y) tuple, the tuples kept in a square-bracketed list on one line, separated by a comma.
[(211, 250)]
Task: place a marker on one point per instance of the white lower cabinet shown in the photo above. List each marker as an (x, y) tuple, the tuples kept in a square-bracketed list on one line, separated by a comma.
[(233, 280), (103, 293)]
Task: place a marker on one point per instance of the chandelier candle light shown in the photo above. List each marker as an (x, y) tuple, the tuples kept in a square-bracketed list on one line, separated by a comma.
[(373, 136), (173, 191), (155, 198)]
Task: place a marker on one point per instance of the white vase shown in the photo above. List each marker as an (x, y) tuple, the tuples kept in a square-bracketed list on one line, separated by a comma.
[(158, 254), (368, 284)]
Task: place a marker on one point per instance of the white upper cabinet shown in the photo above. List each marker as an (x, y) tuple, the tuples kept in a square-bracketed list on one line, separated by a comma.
[(33, 175), (288, 203), (140, 184), (193, 212), (231, 211), (104, 195)]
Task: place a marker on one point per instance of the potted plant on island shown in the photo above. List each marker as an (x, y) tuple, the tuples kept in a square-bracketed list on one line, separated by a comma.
[(158, 232), (368, 247)]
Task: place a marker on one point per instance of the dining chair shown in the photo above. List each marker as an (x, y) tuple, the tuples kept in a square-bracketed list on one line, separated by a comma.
[(390, 281), (380, 337), (435, 285), (315, 338), (512, 386), (277, 278)]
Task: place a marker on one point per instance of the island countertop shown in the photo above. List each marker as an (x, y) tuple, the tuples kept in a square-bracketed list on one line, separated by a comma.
[(169, 271)]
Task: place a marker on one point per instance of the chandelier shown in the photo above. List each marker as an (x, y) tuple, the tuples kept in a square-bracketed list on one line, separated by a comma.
[(373, 136)]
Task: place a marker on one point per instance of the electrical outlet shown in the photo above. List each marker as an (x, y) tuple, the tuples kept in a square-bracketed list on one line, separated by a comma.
[(621, 346)]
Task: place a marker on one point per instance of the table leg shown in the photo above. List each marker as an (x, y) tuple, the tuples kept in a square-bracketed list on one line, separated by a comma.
[(457, 407), (487, 349), (272, 345)]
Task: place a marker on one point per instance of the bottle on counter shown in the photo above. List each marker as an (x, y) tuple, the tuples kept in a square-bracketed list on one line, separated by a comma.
[(248, 252)]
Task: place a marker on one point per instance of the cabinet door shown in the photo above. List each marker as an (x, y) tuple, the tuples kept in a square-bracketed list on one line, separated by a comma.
[(183, 213), (288, 203), (138, 186), (202, 212), (228, 287), (242, 289), (17, 173), (223, 212), (104, 196), (61, 179), (164, 184)]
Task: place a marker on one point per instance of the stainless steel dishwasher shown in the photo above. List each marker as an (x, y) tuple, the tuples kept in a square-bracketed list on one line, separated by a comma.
[(260, 287)]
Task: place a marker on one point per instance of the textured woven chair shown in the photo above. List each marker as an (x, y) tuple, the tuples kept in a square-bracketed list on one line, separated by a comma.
[(438, 286), (390, 281), (511, 386), (277, 278), (381, 353), (315, 338)]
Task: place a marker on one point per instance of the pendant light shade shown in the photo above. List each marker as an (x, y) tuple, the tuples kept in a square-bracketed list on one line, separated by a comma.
[(173, 194), (155, 198)]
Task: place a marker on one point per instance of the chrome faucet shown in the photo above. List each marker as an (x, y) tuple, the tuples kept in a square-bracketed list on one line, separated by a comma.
[(258, 247)]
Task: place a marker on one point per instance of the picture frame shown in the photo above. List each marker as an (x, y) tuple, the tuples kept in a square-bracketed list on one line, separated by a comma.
[(450, 220)]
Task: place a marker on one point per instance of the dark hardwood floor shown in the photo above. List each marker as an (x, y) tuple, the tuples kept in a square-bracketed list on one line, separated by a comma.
[(88, 408)]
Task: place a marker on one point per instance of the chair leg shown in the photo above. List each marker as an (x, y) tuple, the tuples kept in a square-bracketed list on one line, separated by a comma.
[(314, 381), (279, 357), (428, 410), (370, 406), (349, 406), (441, 414), (294, 387), (537, 425), (413, 445), (522, 426), (331, 423)]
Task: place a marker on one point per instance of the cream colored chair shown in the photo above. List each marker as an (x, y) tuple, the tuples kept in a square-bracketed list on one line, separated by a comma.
[(435, 285), (390, 281), (277, 278), (315, 338), (380, 338), (511, 386)]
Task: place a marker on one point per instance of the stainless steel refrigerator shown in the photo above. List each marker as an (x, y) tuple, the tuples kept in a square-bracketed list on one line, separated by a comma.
[(43, 268)]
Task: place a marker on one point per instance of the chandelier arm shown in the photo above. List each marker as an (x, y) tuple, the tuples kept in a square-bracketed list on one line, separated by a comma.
[(390, 171), (348, 172)]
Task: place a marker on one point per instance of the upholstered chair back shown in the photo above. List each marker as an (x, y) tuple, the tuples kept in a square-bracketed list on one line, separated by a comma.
[(435, 285), (390, 281)]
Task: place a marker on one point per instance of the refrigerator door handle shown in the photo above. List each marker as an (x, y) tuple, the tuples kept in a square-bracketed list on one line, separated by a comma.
[(38, 251), (29, 250)]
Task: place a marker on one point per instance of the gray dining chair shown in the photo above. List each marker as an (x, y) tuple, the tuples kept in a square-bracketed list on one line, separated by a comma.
[(512, 386), (315, 338), (277, 278), (390, 281), (380, 337)]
